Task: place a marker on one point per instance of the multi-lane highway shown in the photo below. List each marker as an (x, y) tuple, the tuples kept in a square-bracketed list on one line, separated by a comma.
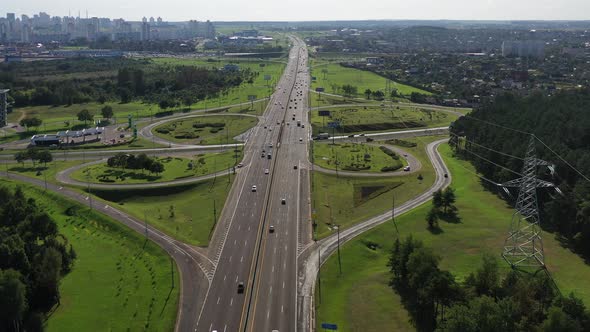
[(244, 248), (247, 279)]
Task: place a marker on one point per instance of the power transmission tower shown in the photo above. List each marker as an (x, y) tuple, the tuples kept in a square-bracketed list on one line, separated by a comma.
[(523, 246)]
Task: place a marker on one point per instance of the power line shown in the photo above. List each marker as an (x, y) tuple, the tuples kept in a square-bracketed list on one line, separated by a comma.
[(491, 162), (487, 148), (497, 125), (565, 161)]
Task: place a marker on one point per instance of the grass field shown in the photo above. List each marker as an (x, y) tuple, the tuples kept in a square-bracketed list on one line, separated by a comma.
[(367, 119), (332, 75), (187, 213), (40, 171), (353, 157), (215, 129), (119, 282), (361, 296), (174, 168), (348, 200)]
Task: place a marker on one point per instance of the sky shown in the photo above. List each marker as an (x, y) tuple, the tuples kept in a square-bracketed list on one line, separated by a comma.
[(309, 10)]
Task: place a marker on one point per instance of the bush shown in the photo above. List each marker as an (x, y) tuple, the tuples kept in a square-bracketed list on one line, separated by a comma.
[(391, 168)]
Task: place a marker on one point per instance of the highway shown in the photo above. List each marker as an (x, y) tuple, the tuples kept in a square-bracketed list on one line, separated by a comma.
[(242, 247)]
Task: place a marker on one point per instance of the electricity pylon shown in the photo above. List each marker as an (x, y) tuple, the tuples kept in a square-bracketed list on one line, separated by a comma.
[(523, 246)]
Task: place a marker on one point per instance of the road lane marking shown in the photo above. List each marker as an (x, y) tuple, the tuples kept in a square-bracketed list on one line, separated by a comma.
[(218, 299), (224, 276), (231, 302), (242, 259), (230, 258)]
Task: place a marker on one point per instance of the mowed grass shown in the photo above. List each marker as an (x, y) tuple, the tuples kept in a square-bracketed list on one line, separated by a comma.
[(206, 130), (187, 213), (119, 281), (40, 171), (174, 168), (361, 296), (353, 157), (379, 118), (337, 75), (338, 200)]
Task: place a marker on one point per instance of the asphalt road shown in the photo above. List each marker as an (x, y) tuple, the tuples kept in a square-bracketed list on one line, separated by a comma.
[(312, 255), (242, 247)]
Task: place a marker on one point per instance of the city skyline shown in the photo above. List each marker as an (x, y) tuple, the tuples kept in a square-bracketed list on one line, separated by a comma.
[(308, 10)]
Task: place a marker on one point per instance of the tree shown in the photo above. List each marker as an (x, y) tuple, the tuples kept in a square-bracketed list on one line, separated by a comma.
[(13, 297), (106, 112), (559, 321), (157, 167), (437, 199), (432, 218), (448, 199), (44, 157), (368, 93), (30, 122), (21, 156), (378, 95), (486, 280), (85, 115)]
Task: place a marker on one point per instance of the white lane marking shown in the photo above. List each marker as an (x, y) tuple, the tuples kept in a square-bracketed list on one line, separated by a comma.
[(218, 299), (270, 292), (281, 308), (242, 259), (230, 258), (239, 226), (248, 228), (267, 314), (210, 326), (224, 276), (231, 301), (283, 284), (235, 242), (245, 243), (273, 269), (224, 328), (236, 278)]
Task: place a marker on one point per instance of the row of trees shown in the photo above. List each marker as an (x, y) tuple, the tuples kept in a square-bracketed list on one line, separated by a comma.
[(484, 302), (34, 155), (135, 79), (562, 122), (141, 161), (34, 258)]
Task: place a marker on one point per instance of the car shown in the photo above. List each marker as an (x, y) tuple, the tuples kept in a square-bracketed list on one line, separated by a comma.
[(283, 201), (265, 127), (254, 188), (271, 229), (240, 287), (240, 165), (302, 126), (300, 139), (270, 145), (266, 171), (407, 169), (362, 135), (287, 123), (446, 175), (295, 167)]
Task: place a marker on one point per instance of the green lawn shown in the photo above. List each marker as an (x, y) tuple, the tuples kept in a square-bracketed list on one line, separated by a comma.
[(336, 76), (349, 200), (352, 157), (118, 282), (379, 118), (40, 171), (174, 168), (361, 296), (186, 212), (206, 130)]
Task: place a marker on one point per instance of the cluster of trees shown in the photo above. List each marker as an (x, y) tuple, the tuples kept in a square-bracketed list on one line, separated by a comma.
[(443, 207), (486, 301), (377, 94), (34, 258), (31, 122), (141, 161), (563, 123), (117, 79), (34, 155)]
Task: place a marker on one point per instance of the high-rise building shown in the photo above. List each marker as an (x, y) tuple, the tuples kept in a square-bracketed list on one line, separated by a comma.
[(3, 107)]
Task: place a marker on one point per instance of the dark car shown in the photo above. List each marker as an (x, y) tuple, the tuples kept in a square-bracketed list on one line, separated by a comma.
[(240, 287)]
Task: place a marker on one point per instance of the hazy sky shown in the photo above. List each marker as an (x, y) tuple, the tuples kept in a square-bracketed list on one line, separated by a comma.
[(305, 10)]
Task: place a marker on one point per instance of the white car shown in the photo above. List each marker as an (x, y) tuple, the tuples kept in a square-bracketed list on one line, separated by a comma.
[(254, 188), (300, 139), (240, 165), (266, 171)]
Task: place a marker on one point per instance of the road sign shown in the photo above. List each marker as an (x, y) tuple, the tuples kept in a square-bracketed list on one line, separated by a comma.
[(251, 97), (319, 89), (267, 77), (334, 124), (324, 113), (329, 326)]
